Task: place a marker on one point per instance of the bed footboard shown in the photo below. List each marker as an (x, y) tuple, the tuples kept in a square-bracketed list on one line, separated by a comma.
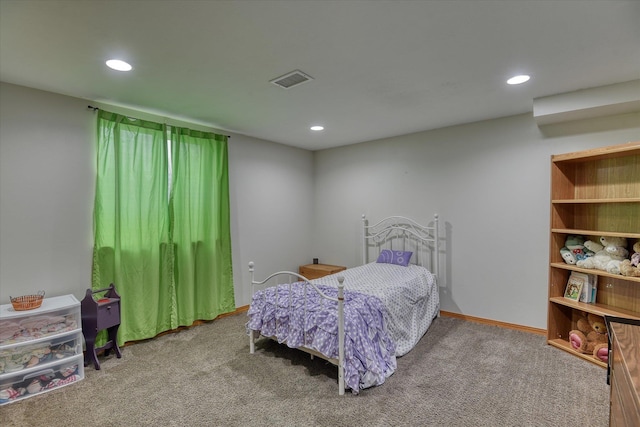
[(254, 335)]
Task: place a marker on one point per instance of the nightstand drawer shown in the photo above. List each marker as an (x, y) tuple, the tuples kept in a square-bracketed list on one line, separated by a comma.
[(315, 271), (108, 313)]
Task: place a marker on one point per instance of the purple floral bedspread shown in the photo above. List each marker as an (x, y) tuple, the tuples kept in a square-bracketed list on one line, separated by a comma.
[(369, 351)]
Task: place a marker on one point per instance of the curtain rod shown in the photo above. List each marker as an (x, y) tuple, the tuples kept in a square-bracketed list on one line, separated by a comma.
[(91, 107)]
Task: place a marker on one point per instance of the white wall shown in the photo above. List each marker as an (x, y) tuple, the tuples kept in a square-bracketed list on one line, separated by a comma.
[(488, 181), (267, 226), (46, 193), (47, 168)]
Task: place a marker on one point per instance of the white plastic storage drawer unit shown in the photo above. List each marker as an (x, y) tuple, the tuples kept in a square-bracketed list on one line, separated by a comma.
[(40, 349)]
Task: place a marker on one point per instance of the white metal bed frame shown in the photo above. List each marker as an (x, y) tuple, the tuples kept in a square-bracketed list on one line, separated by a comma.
[(407, 235), (411, 236)]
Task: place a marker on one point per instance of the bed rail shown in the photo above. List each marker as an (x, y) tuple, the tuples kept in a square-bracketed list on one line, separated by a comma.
[(253, 335)]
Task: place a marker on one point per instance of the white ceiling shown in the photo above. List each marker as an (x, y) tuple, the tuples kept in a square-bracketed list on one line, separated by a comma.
[(380, 68)]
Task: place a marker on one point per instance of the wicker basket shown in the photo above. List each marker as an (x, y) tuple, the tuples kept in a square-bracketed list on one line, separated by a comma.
[(27, 302)]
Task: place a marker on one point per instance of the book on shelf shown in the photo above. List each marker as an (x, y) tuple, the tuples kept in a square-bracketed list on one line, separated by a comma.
[(589, 288), (573, 291), (585, 295)]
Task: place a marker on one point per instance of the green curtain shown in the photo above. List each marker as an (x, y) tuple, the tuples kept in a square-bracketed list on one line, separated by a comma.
[(161, 281), (200, 225)]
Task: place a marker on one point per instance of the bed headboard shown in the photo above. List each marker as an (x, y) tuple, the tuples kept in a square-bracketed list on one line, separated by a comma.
[(402, 234)]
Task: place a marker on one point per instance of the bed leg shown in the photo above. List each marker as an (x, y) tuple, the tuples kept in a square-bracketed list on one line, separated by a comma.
[(252, 342), (340, 335)]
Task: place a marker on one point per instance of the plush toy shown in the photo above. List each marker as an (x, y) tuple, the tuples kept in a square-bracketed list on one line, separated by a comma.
[(574, 242), (593, 246), (583, 254), (574, 249), (568, 256), (603, 259), (635, 257), (591, 337), (631, 267), (615, 246)]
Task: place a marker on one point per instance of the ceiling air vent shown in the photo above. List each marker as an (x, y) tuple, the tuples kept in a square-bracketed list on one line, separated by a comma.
[(291, 79)]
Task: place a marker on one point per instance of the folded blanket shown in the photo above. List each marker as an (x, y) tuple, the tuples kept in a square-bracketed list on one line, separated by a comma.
[(9, 329), (35, 327)]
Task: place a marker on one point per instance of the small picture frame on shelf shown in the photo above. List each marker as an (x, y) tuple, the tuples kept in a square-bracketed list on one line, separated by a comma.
[(574, 288)]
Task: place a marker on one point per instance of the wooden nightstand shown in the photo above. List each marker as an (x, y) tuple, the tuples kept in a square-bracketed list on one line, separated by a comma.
[(315, 271), (96, 316)]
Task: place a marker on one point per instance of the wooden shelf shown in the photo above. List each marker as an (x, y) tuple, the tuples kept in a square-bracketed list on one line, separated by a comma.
[(595, 233), (596, 201), (599, 309), (601, 153), (594, 193), (589, 271), (564, 345)]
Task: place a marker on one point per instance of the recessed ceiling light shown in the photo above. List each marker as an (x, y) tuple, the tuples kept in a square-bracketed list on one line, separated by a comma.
[(118, 65), (317, 128), (516, 80)]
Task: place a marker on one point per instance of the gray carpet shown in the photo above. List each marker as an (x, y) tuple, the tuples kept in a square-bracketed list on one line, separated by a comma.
[(460, 374)]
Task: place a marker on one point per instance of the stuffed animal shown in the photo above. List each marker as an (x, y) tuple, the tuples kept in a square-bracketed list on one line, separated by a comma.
[(590, 337), (631, 267), (574, 250), (593, 246), (568, 256), (615, 246), (635, 257), (574, 242), (583, 254), (603, 259)]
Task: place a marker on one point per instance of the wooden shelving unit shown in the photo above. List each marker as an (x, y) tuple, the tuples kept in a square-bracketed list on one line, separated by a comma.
[(593, 193)]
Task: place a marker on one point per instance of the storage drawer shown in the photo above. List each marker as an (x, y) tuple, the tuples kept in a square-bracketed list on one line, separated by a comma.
[(56, 315), (108, 313), (30, 382), (15, 357)]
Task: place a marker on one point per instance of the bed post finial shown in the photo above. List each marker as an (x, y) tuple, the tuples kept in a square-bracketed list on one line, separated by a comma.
[(365, 257), (251, 264), (436, 236)]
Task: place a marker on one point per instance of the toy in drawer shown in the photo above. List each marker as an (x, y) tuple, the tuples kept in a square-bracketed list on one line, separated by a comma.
[(30, 382), (15, 357), (55, 315)]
